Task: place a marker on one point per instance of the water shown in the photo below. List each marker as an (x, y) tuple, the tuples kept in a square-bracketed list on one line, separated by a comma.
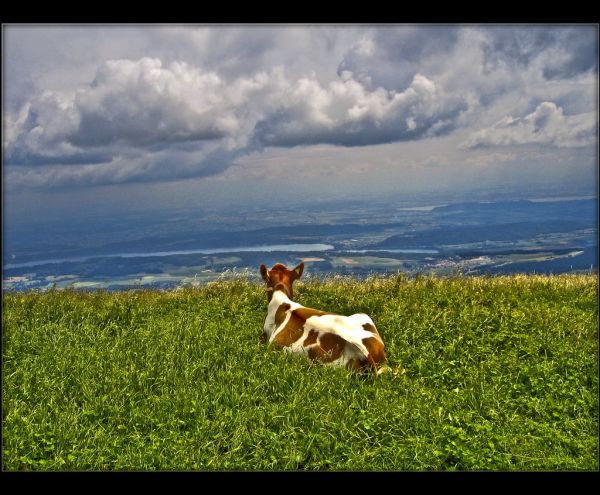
[(412, 251), (296, 248)]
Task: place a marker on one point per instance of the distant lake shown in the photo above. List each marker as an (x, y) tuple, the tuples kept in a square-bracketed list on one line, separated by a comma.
[(408, 251), (420, 208), (296, 248), (560, 199)]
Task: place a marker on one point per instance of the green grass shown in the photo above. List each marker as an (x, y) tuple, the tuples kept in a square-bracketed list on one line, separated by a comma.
[(487, 374)]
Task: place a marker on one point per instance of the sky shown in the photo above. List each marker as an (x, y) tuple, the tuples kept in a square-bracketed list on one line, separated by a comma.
[(119, 118)]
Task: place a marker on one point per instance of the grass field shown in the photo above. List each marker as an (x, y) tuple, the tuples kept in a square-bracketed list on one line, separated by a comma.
[(487, 374)]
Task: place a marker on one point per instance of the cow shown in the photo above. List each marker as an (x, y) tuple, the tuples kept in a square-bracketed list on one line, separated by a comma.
[(352, 342)]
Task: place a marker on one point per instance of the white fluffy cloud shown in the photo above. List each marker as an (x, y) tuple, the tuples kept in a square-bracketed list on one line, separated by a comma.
[(547, 125), (138, 108), (141, 103), (138, 120), (347, 113), (138, 103)]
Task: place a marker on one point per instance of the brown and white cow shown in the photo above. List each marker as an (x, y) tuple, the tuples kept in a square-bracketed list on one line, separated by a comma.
[(348, 341)]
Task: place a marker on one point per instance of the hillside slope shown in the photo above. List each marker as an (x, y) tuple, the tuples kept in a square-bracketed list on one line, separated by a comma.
[(487, 373)]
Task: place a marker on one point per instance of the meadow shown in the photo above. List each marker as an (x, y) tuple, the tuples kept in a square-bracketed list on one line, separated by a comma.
[(485, 373)]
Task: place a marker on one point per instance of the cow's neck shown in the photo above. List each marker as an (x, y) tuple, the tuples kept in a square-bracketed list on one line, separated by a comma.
[(281, 287), (278, 298)]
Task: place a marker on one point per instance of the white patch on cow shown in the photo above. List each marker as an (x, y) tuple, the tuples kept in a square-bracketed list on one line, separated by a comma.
[(363, 319), (347, 327)]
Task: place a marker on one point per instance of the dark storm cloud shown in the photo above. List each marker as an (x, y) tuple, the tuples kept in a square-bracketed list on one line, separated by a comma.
[(141, 168), (391, 56), (484, 62), (566, 51), (21, 157)]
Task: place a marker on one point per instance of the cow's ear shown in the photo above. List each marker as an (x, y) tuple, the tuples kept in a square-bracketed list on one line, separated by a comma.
[(298, 270), (265, 273)]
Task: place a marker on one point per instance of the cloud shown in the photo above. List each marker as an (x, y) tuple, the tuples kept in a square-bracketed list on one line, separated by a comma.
[(137, 103), (390, 56), (346, 113), (547, 125), (557, 53), (136, 108), (170, 102), (505, 66), (156, 122), (165, 165), (142, 103)]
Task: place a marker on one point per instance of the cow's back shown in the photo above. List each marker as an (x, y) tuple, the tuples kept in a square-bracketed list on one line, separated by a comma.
[(349, 341)]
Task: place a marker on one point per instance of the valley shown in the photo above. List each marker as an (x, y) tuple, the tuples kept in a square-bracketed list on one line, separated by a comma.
[(472, 238)]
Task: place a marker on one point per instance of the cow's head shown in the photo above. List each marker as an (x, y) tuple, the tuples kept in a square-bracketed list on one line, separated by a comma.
[(280, 278)]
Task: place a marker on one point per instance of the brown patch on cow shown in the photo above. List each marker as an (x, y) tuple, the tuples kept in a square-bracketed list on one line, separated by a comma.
[(370, 328), (294, 328), (292, 331), (375, 348), (306, 313), (281, 313), (311, 338), (329, 349)]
